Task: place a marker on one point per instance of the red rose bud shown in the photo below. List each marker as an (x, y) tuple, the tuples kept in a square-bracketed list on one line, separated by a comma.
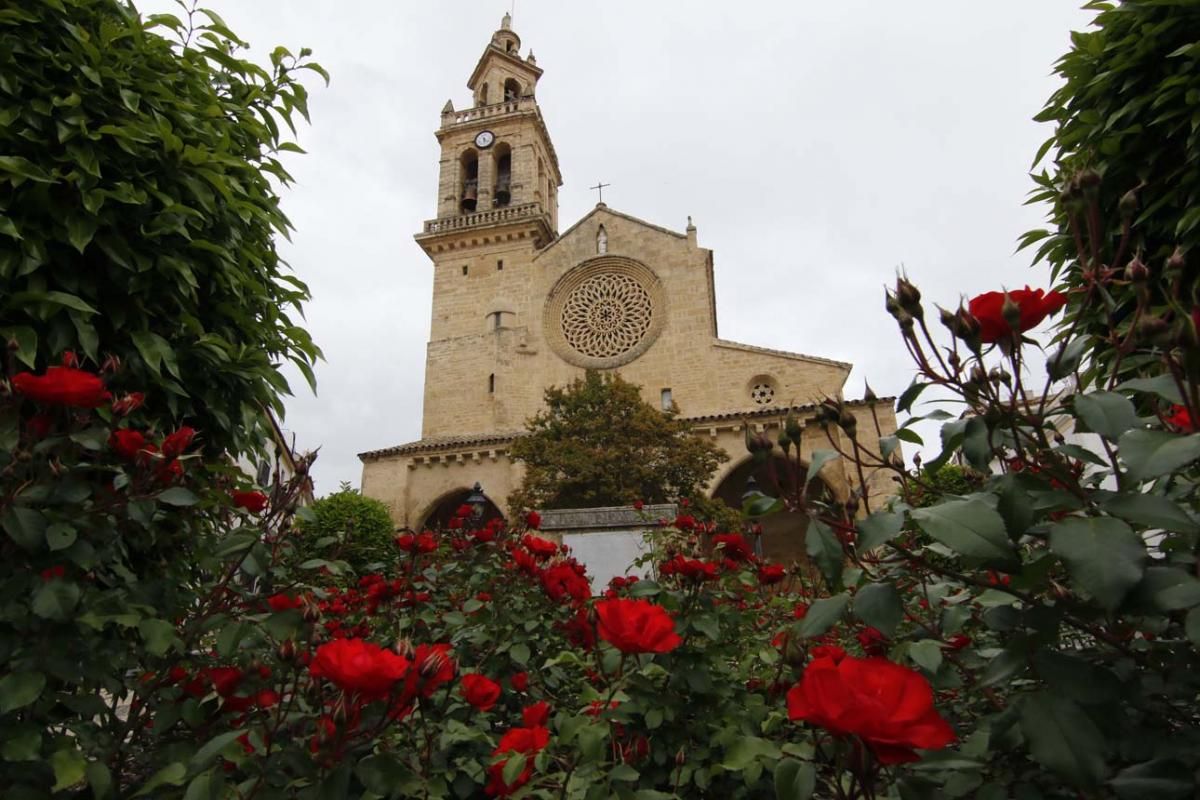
[(174, 445), (53, 573), (520, 681), (69, 359), (62, 386), (958, 641), (533, 520), (128, 404)]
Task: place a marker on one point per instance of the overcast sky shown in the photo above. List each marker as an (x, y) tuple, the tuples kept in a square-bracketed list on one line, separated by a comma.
[(817, 146)]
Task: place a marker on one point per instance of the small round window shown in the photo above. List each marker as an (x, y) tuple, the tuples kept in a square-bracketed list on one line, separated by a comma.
[(762, 390)]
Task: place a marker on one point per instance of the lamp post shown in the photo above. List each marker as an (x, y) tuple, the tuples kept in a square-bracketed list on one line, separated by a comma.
[(752, 495), (478, 503)]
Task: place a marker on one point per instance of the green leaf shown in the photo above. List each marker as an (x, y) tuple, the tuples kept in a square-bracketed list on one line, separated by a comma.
[(1148, 454), (1103, 554), (926, 653), (22, 742), (1164, 386), (80, 230), (56, 600), (1191, 626), (24, 168), (794, 780), (381, 773), (158, 634), (1151, 510), (178, 496), (823, 614), (68, 765), (60, 536), (970, 527), (1185, 594), (1106, 413), (1063, 738), (205, 756), (26, 339), (879, 605), (761, 506), (19, 689), (826, 552), (1066, 359), (1160, 779), (819, 459), (100, 779), (909, 396), (170, 775), (200, 787), (747, 749), (513, 768), (25, 526), (519, 653), (624, 772), (878, 529)]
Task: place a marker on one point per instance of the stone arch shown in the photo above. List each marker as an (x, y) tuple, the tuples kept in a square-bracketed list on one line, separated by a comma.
[(783, 532), (438, 513), (512, 90)]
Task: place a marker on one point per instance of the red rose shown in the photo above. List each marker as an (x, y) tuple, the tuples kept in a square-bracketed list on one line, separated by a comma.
[(282, 602), (169, 471), (177, 442), (525, 562), (685, 522), (533, 520), (771, 573), (1035, 306), (62, 386), (800, 611), (542, 548), (1181, 419), (266, 698), (224, 679), (520, 681), (563, 581), (253, 502), (888, 706), (480, 691), (484, 534), (416, 543), (733, 546), (53, 573), (529, 741), (361, 667), (638, 505), (536, 715), (636, 626), (831, 651), (126, 443), (958, 641), (690, 568)]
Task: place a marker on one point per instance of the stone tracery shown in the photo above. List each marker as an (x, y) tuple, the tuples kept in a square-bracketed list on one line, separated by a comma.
[(606, 315)]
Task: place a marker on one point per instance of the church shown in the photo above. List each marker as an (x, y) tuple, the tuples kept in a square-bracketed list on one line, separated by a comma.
[(519, 306)]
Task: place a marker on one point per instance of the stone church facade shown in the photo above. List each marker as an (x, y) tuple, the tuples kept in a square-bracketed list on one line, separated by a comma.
[(518, 306)]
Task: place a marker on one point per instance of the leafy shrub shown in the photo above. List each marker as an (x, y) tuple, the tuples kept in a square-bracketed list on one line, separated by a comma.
[(347, 526), (137, 211)]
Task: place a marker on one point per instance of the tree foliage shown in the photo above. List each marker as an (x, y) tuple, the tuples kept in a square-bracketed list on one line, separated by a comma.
[(597, 443), (356, 529), (138, 208), (1125, 117)]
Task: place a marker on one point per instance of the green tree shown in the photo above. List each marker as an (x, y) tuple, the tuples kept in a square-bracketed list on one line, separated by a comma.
[(598, 443), (138, 208), (1126, 168), (356, 529)]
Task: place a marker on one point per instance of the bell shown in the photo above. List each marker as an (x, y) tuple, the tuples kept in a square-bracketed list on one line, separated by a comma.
[(469, 192), (502, 195)]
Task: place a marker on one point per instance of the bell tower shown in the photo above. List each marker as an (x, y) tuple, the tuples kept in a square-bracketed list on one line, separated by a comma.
[(497, 205)]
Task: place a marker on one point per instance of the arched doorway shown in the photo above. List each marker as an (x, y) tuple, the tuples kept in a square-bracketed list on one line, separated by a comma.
[(445, 507), (783, 532)]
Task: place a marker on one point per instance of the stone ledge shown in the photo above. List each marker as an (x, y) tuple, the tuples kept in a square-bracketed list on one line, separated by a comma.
[(579, 520)]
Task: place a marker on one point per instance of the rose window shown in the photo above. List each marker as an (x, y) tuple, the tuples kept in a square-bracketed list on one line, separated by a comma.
[(762, 393), (607, 315)]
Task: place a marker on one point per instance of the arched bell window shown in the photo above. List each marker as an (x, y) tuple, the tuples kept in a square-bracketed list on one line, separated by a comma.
[(469, 166), (503, 193), (512, 90)]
